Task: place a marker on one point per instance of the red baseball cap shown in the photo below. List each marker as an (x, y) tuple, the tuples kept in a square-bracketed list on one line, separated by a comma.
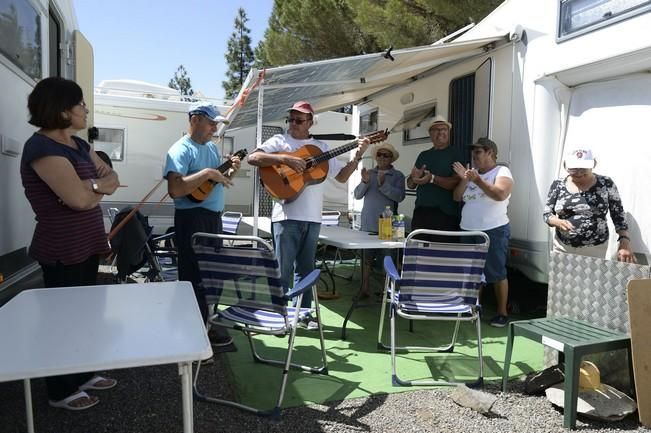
[(302, 107)]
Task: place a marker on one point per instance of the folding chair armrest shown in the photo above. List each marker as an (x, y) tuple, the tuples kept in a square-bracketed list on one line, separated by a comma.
[(390, 268), (304, 284), (163, 237)]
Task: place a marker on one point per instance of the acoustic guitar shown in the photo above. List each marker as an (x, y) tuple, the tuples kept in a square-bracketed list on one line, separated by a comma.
[(285, 184), (204, 190)]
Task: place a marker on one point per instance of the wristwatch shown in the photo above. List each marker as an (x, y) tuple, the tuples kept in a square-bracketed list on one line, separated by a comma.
[(94, 185), (433, 179)]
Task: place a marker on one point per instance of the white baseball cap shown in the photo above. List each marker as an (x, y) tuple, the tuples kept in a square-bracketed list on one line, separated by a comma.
[(580, 157)]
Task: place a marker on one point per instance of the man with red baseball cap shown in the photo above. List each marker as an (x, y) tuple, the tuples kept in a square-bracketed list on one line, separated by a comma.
[(296, 224)]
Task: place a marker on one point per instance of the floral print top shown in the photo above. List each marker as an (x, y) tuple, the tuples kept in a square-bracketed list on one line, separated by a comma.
[(586, 210)]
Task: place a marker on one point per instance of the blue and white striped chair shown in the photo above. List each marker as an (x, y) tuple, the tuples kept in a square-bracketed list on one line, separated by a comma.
[(439, 281), (243, 283), (230, 222)]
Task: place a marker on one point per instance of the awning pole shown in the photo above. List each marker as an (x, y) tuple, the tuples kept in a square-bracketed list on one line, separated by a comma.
[(256, 174)]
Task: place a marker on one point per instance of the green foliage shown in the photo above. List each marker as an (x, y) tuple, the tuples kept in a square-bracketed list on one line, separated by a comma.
[(309, 30), (239, 56), (181, 82)]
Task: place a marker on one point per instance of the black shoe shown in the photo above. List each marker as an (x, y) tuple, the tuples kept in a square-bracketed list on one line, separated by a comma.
[(219, 338), (308, 322), (499, 321)]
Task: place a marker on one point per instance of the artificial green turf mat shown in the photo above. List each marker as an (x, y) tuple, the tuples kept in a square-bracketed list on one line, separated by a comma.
[(357, 369)]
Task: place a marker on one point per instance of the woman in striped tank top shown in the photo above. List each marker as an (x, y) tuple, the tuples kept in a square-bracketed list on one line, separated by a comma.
[(64, 181)]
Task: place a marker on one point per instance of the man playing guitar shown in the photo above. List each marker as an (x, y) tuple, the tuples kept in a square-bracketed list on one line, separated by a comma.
[(296, 223), (190, 162)]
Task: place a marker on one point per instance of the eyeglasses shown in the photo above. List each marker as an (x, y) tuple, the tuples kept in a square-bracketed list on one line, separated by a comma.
[(295, 120), (384, 155), (82, 104)]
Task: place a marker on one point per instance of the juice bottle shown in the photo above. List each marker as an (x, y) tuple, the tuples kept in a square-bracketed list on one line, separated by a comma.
[(384, 226), (398, 228)]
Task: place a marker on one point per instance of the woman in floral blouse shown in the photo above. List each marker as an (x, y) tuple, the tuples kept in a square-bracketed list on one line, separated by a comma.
[(577, 206)]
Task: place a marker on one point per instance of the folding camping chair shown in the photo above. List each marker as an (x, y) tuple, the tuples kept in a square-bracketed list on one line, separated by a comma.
[(243, 283), (440, 281), (132, 247), (230, 222)]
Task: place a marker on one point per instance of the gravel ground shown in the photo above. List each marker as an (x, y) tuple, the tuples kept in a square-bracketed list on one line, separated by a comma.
[(148, 400)]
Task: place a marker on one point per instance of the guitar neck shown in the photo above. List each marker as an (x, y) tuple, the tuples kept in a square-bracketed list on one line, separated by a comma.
[(373, 137), (333, 152)]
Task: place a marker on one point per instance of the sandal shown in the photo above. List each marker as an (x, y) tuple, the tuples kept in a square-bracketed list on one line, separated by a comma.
[(98, 383), (66, 403)]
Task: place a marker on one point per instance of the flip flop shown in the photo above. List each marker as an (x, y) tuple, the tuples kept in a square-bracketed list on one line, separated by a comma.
[(65, 403), (94, 384)]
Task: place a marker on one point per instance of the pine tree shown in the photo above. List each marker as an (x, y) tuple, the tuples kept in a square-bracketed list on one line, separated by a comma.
[(308, 30), (239, 56), (181, 82)]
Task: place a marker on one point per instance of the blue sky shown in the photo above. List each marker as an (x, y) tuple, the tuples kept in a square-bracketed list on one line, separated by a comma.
[(147, 40)]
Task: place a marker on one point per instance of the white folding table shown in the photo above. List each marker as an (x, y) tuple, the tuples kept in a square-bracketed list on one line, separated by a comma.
[(345, 238), (49, 332)]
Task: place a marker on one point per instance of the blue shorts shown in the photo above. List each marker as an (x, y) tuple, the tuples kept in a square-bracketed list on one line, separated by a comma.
[(495, 268)]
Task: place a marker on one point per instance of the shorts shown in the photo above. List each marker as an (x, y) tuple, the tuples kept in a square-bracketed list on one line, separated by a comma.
[(495, 267)]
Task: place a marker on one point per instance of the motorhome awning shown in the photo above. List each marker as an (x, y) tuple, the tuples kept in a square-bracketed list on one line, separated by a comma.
[(614, 66), (330, 84)]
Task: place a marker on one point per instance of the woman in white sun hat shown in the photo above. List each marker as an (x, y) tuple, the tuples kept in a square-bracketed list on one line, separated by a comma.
[(577, 206)]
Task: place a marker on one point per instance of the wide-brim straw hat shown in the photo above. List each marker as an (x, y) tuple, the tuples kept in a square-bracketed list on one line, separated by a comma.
[(596, 399), (386, 146)]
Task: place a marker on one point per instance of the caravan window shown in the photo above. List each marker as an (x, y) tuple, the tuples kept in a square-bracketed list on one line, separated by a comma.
[(111, 141), (414, 124), (226, 145), (577, 17), (368, 122), (20, 36)]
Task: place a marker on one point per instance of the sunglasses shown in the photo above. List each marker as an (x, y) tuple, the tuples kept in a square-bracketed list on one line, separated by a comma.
[(296, 121), (384, 155)]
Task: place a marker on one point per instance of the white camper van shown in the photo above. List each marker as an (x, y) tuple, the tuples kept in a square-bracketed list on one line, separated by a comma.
[(573, 72), (39, 38), (137, 123), (537, 77)]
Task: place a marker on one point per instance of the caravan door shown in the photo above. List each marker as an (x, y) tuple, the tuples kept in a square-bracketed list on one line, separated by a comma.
[(482, 103), (612, 118)]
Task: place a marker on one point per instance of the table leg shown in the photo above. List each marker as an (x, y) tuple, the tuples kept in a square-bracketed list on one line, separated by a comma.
[(507, 355), (185, 371), (28, 405), (572, 365), (355, 302)]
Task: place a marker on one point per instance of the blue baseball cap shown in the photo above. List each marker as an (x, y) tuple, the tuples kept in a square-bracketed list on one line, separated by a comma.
[(208, 110)]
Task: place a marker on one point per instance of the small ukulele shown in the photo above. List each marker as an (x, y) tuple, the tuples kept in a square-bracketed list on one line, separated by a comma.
[(204, 190), (285, 184)]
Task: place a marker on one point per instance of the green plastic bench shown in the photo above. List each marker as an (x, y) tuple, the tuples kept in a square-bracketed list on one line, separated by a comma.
[(572, 339)]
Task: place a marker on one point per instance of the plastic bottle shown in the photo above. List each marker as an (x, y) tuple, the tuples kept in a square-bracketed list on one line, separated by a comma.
[(398, 228), (384, 226)]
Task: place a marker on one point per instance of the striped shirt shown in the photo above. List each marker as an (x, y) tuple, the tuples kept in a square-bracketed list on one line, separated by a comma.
[(62, 234)]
